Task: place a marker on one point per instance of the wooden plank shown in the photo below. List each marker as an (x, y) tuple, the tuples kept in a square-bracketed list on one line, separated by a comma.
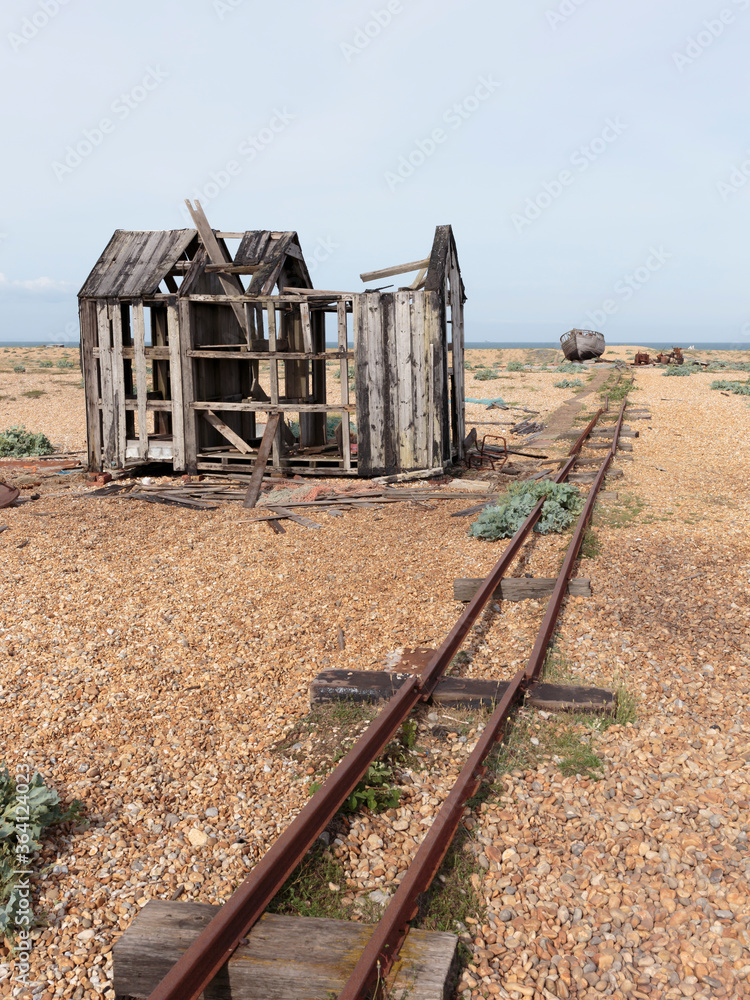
[(404, 380), (282, 958), (89, 365), (454, 692), (297, 518), (118, 383), (391, 379), (274, 378), (373, 413), (267, 406), (343, 344), (216, 255), (218, 424), (141, 385), (269, 436), (520, 588), (304, 310), (175, 380), (109, 425), (420, 354), (388, 272), (419, 280), (189, 417)]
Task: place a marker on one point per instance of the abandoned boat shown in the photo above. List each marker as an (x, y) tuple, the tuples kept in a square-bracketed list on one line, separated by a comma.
[(582, 345)]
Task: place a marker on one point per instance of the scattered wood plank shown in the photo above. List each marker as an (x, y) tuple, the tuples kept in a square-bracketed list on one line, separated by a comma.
[(389, 272), (273, 524), (170, 501), (282, 958), (454, 692), (520, 588), (297, 518), (266, 443), (4, 527), (472, 510)]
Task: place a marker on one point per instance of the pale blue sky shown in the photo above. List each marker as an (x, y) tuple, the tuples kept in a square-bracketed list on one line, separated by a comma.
[(317, 105)]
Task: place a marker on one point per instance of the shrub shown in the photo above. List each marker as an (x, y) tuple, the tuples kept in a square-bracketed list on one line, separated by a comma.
[(485, 375), (568, 383), (570, 366), (562, 503), (66, 363), (16, 442), (738, 388), (45, 364), (44, 810), (515, 366), (19, 369), (679, 370)]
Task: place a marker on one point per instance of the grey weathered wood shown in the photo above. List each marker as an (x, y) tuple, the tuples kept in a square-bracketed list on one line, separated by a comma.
[(284, 958), (189, 417), (520, 588), (388, 272), (217, 255), (89, 366), (304, 309), (297, 518), (134, 263), (269, 436), (227, 432), (109, 426), (453, 692), (404, 384), (346, 445), (175, 381), (141, 386), (118, 384)]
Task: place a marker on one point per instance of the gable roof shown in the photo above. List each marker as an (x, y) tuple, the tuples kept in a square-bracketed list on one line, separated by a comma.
[(134, 263)]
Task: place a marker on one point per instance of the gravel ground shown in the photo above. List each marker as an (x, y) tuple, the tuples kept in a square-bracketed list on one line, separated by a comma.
[(152, 660)]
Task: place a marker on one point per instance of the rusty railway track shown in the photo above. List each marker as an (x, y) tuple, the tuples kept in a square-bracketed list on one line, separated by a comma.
[(214, 946)]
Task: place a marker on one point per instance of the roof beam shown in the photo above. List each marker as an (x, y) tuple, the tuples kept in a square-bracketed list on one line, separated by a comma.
[(217, 255), (387, 272)]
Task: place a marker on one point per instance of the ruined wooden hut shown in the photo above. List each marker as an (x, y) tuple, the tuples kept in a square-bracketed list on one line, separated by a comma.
[(189, 351)]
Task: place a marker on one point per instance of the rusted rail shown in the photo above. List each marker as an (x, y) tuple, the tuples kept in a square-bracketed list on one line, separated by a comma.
[(213, 947), (383, 947)]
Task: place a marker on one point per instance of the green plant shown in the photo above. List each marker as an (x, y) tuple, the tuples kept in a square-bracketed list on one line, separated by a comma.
[(19, 369), (485, 375), (375, 791), (514, 366), (24, 816), (45, 364), (15, 442), (562, 502), (568, 383), (590, 546), (738, 388), (570, 366), (65, 363), (35, 393), (307, 891), (682, 370)]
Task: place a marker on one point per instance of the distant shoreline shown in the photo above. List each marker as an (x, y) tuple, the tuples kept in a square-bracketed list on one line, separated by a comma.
[(473, 345)]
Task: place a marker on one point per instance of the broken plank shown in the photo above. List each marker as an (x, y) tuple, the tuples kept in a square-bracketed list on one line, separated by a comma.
[(273, 524), (163, 498), (454, 692), (218, 424), (281, 958), (297, 518), (389, 272), (520, 588), (269, 436), (472, 510)]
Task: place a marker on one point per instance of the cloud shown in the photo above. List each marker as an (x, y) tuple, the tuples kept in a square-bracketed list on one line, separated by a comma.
[(43, 287)]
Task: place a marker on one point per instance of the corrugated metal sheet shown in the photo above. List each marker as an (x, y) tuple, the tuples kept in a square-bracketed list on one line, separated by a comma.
[(134, 263)]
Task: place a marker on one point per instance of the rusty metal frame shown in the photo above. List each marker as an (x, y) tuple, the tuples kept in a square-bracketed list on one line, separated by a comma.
[(203, 959)]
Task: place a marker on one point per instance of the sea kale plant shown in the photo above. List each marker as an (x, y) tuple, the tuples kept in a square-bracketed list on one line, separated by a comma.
[(562, 503), (16, 442)]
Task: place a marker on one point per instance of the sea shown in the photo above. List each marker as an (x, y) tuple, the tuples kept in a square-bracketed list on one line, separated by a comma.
[(478, 345)]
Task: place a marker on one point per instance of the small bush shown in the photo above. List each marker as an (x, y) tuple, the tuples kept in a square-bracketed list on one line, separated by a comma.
[(485, 375), (515, 366), (66, 363), (738, 388), (570, 366), (45, 364), (19, 369), (17, 442), (568, 383), (44, 810), (562, 503), (682, 370)]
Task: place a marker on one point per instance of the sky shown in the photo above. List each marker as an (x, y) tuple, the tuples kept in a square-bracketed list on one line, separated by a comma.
[(592, 156)]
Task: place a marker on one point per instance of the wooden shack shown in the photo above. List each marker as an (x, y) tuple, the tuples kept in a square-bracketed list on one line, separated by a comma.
[(184, 363)]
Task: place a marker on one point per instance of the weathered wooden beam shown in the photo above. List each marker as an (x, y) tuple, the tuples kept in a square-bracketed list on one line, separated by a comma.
[(520, 588), (227, 432), (216, 255), (282, 958), (266, 443), (454, 692), (388, 272)]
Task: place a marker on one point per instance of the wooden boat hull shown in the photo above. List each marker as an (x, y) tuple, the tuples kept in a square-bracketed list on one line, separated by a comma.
[(582, 345)]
